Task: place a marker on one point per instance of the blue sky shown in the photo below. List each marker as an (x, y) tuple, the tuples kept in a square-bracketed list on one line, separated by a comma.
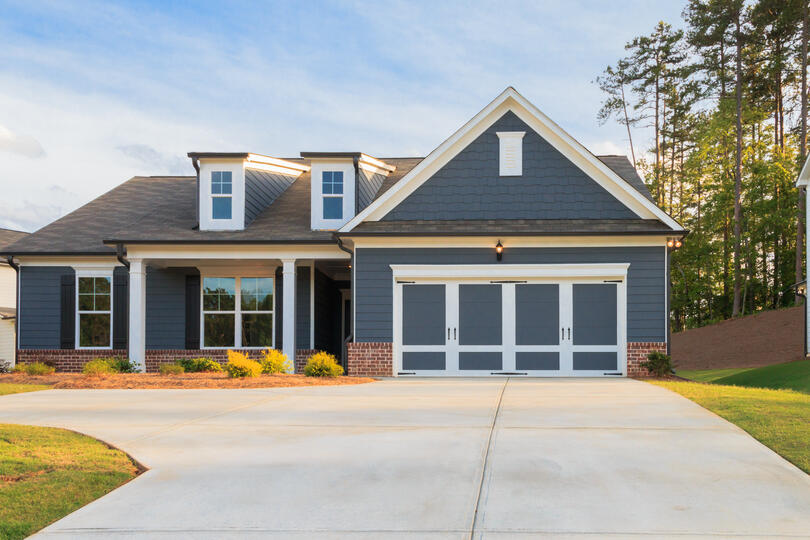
[(94, 93)]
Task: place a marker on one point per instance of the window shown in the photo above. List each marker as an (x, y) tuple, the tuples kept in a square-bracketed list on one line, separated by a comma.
[(333, 195), (94, 312), (237, 312), (221, 194)]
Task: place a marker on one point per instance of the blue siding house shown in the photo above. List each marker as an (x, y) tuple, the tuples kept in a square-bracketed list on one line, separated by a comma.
[(509, 250)]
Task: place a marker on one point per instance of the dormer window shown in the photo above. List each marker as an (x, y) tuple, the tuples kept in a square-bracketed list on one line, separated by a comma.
[(221, 195), (332, 194)]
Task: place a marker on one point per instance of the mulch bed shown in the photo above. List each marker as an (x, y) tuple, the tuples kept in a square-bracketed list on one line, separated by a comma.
[(186, 380)]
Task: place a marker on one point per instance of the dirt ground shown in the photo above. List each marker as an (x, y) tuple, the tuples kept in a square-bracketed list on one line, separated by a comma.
[(186, 380), (766, 338)]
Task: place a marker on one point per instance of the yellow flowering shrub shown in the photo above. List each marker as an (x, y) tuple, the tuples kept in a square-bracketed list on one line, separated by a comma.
[(240, 365), (274, 361), (322, 364)]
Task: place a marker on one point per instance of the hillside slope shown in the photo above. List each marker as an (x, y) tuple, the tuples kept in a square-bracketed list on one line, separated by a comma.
[(762, 339)]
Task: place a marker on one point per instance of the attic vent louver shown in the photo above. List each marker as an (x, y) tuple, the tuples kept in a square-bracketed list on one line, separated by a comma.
[(511, 152)]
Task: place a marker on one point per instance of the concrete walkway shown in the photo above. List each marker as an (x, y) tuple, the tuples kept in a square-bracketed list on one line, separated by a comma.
[(426, 459)]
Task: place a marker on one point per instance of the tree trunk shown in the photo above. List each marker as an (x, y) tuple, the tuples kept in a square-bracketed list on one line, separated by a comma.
[(735, 311), (627, 124)]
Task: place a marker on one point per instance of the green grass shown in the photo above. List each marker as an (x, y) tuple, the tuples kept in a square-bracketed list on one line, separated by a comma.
[(779, 419), (708, 375), (790, 376), (15, 388), (47, 473)]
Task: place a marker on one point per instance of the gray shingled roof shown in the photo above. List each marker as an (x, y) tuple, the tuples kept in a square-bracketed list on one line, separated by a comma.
[(161, 209), (9, 236)]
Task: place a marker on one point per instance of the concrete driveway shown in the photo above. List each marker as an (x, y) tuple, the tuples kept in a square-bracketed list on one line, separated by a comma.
[(427, 459)]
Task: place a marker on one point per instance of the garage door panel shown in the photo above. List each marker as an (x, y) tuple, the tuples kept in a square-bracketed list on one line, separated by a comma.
[(433, 360), (594, 307), (423, 315), (537, 361), (480, 360), (480, 314), (537, 314), (590, 361)]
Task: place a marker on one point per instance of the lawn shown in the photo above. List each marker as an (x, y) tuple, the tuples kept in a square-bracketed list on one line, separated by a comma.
[(790, 375), (47, 473), (779, 419), (16, 388)]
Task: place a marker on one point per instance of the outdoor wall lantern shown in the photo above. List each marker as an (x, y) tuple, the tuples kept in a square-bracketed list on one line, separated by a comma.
[(499, 250), (674, 243)]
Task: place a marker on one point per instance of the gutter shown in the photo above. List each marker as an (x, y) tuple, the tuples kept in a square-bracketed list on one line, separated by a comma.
[(120, 255), (16, 267)]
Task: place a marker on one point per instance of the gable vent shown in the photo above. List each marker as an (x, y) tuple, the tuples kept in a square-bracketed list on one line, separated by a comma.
[(511, 152)]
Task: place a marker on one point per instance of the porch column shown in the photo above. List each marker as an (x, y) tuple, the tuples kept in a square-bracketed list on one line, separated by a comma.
[(288, 317), (137, 313)]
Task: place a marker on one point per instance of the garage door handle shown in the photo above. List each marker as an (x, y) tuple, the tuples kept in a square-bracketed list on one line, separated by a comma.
[(454, 333), (562, 333), (448, 333), (569, 333)]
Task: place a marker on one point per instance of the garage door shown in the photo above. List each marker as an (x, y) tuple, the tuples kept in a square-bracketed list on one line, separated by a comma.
[(561, 327)]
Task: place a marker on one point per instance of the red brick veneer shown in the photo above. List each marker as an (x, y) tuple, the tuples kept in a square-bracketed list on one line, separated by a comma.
[(72, 360), (637, 352), (301, 357), (370, 359)]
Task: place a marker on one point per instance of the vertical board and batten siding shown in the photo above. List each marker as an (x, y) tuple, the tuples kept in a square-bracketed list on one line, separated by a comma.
[(368, 184), (40, 306), (166, 307), (261, 189), (646, 290), (302, 308), (469, 186)]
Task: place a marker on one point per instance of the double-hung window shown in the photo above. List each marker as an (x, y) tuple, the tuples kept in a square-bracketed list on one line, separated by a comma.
[(237, 312), (332, 194), (221, 195), (94, 312)]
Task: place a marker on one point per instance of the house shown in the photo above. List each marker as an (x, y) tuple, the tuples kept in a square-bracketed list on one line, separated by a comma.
[(509, 249), (8, 301), (803, 182)]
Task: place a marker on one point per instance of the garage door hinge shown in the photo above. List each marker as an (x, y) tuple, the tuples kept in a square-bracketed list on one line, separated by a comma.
[(508, 281), (406, 282)]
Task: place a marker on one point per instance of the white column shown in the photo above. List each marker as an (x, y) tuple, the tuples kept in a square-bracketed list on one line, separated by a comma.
[(137, 312), (288, 317), (807, 265)]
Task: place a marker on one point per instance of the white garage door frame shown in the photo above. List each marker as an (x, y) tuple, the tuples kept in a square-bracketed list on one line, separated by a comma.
[(566, 275)]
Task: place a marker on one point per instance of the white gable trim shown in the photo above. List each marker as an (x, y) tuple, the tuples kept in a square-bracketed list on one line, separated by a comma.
[(511, 100), (804, 176)]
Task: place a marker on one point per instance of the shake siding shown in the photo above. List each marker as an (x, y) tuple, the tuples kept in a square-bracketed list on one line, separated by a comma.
[(645, 291)]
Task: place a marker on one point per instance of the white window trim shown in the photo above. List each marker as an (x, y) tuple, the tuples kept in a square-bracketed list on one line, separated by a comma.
[(220, 196), (334, 195), (237, 312), (79, 313)]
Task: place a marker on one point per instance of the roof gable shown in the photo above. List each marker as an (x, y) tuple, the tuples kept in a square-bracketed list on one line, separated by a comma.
[(511, 100), (469, 187)]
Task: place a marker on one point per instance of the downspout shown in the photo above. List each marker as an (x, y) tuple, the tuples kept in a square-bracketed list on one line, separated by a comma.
[(120, 255), (350, 337), (16, 267), (196, 165)]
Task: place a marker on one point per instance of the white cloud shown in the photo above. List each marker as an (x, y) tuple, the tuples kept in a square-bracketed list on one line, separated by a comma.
[(24, 145)]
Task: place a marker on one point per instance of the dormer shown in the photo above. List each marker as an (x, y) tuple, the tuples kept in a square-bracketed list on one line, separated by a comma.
[(234, 187), (343, 184)]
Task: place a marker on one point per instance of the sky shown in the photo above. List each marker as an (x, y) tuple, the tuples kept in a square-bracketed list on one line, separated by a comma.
[(92, 94)]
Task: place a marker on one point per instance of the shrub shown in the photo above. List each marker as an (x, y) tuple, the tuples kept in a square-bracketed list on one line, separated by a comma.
[(34, 368), (120, 364), (97, 367), (658, 364), (171, 369), (197, 365), (239, 365), (322, 364), (5, 367), (274, 361)]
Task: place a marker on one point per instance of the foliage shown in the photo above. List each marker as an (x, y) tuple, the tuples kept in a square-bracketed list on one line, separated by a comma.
[(98, 367), (658, 364), (15, 388), (322, 364), (197, 365), (274, 361), (35, 368), (776, 418), (120, 364), (48, 473), (789, 375), (171, 369), (5, 367), (722, 118), (240, 365)]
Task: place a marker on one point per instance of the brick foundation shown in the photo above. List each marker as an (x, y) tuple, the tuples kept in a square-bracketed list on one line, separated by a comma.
[(370, 359), (72, 361), (637, 352)]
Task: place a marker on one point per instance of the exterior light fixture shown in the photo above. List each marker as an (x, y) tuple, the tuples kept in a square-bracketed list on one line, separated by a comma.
[(674, 243), (670, 243), (499, 250), (678, 243)]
